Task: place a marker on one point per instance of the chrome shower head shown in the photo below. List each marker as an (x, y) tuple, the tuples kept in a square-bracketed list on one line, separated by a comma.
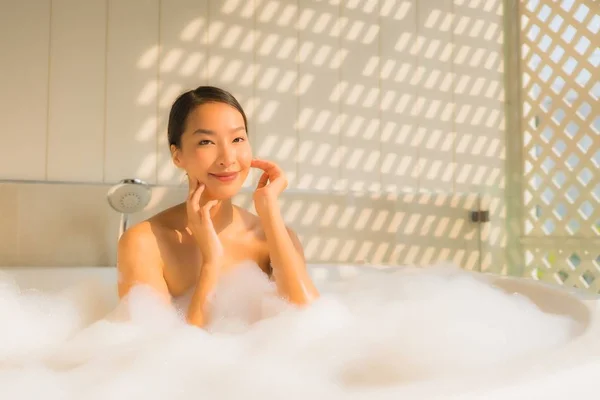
[(127, 197)]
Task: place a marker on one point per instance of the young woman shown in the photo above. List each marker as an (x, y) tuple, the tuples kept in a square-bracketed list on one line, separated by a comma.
[(188, 246)]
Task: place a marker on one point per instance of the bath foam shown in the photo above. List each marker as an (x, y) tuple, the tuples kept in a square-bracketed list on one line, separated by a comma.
[(378, 334)]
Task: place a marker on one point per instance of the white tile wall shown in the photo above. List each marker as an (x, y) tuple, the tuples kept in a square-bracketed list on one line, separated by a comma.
[(434, 138), (77, 101), (73, 225), (24, 45), (400, 95), (393, 94), (319, 61), (359, 93), (479, 96), (9, 232), (398, 59), (64, 224), (131, 90)]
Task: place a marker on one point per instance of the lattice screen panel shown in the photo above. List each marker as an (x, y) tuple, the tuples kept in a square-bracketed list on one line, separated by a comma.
[(566, 265), (560, 56)]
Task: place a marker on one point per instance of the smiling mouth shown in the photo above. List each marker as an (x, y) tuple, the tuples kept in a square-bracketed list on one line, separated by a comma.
[(225, 177)]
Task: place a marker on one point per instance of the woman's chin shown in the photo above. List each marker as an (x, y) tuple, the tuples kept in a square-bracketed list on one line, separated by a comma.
[(224, 193)]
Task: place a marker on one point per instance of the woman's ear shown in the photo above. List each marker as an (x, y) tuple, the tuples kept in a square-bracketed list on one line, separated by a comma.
[(176, 156)]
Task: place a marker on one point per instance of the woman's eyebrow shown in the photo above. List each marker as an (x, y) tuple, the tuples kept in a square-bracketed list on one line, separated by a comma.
[(209, 132), (205, 131)]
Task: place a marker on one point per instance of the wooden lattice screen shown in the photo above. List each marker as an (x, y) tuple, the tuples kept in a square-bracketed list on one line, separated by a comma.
[(560, 57)]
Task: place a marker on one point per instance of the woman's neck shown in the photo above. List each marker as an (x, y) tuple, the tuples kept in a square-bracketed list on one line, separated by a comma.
[(222, 214)]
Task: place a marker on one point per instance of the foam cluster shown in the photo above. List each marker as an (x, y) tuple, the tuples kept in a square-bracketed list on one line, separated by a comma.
[(378, 335)]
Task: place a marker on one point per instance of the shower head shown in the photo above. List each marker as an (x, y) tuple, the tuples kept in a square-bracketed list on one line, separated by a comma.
[(127, 197)]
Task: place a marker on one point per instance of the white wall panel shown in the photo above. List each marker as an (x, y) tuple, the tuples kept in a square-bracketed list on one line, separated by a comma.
[(360, 133), (24, 30), (132, 90), (399, 123), (320, 58), (77, 90)]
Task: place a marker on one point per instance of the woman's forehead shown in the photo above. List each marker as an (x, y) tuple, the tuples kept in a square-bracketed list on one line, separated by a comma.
[(218, 114)]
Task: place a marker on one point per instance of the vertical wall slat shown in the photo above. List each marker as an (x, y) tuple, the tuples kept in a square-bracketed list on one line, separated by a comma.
[(76, 123), (359, 91), (398, 30), (434, 106), (131, 104), (477, 62), (320, 58), (24, 47)]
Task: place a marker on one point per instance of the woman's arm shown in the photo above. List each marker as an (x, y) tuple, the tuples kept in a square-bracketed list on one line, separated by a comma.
[(211, 248), (285, 250), (139, 262), (287, 259), (199, 305)]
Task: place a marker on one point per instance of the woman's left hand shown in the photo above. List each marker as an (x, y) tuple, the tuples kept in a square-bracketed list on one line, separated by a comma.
[(270, 185)]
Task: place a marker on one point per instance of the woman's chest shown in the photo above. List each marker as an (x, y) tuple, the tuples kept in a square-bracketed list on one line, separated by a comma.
[(183, 262)]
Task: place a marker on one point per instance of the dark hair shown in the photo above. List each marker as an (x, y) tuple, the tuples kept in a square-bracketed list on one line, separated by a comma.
[(188, 101)]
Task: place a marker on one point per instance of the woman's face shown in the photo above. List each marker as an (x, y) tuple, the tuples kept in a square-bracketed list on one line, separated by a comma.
[(215, 149)]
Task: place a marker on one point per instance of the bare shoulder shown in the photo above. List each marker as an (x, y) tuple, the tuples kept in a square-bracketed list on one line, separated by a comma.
[(143, 240), (138, 237), (139, 259)]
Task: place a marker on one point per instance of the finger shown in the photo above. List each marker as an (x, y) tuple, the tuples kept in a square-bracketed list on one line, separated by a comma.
[(195, 200), (273, 172), (259, 163), (264, 179), (207, 207), (264, 165), (193, 185), (210, 204)]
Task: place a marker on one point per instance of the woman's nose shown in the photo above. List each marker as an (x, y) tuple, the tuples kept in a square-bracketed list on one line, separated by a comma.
[(227, 157)]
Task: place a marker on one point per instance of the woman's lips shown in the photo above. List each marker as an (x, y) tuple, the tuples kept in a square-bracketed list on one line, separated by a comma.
[(225, 177)]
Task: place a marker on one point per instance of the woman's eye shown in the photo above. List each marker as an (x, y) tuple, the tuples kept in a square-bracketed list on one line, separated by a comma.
[(204, 142), (238, 139)]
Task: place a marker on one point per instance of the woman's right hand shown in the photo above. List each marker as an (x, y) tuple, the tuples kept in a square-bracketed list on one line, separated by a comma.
[(200, 223)]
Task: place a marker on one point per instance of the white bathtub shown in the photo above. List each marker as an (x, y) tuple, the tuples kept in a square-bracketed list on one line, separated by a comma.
[(566, 371)]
